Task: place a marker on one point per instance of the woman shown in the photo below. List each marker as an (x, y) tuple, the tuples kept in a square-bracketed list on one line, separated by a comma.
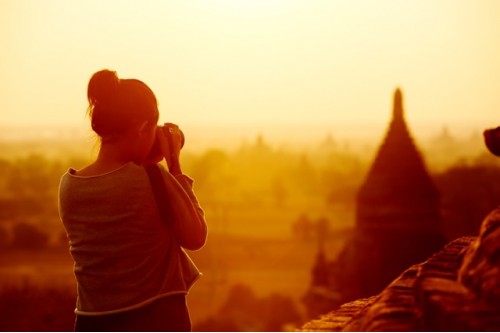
[(129, 262)]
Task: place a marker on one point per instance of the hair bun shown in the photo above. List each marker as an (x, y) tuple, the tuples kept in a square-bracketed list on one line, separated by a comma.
[(103, 87)]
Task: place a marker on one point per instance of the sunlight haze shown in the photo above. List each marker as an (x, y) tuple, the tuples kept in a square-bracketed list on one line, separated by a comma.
[(316, 190), (299, 68)]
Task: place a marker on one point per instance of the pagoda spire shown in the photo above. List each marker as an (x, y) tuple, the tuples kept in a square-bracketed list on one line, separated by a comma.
[(397, 111), (398, 191)]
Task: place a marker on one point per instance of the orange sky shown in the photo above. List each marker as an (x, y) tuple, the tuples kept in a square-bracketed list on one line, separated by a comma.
[(313, 66)]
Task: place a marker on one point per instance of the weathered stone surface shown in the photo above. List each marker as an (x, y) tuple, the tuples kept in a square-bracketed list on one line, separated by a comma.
[(426, 297), (394, 310), (336, 320), (480, 269)]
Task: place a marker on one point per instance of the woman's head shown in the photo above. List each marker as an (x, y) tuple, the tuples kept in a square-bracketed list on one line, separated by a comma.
[(122, 109), (116, 105)]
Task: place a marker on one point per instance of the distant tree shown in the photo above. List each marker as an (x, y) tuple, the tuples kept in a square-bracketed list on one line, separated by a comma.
[(4, 237), (279, 192), (341, 177), (208, 171), (30, 308), (27, 236), (468, 194), (322, 228), (243, 311), (303, 227), (305, 176), (5, 170), (280, 312), (30, 176), (242, 307)]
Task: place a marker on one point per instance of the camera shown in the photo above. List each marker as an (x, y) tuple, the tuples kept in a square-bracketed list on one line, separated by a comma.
[(170, 128), (155, 153)]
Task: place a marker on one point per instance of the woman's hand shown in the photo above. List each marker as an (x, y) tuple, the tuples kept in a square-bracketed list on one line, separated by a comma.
[(171, 140)]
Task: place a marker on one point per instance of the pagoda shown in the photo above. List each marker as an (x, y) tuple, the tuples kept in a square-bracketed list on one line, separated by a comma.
[(397, 218), (398, 193)]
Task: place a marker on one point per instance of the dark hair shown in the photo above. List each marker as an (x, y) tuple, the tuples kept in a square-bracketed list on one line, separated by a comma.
[(116, 104)]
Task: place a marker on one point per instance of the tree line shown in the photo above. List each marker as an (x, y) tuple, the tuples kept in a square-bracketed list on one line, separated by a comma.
[(255, 176)]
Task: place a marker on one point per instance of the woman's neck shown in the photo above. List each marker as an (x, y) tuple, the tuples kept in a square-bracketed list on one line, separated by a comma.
[(112, 155)]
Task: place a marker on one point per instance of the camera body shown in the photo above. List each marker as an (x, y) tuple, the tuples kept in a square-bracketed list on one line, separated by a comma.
[(155, 153), (170, 128)]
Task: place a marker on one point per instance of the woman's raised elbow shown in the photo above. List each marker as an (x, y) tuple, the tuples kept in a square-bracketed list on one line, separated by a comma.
[(195, 240), (192, 236), (194, 243)]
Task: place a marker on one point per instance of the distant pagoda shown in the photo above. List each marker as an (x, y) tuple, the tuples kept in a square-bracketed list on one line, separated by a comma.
[(398, 193), (397, 222)]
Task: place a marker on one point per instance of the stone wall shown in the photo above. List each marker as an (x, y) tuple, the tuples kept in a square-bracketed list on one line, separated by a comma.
[(426, 297)]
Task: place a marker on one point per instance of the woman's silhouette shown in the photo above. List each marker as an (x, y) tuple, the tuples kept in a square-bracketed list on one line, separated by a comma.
[(129, 262)]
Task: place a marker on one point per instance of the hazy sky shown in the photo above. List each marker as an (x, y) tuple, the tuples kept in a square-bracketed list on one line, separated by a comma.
[(323, 66)]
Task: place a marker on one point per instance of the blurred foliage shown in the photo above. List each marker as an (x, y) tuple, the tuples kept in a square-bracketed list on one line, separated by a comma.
[(30, 308), (28, 236), (28, 200), (320, 182), (468, 194), (4, 237), (259, 176), (312, 191), (243, 311)]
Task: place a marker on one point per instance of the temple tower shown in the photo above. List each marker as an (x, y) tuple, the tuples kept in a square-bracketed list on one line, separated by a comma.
[(398, 194), (397, 212), (397, 220)]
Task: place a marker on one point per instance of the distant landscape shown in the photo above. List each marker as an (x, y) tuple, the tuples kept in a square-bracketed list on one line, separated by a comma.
[(264, 203), (284, 105)]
